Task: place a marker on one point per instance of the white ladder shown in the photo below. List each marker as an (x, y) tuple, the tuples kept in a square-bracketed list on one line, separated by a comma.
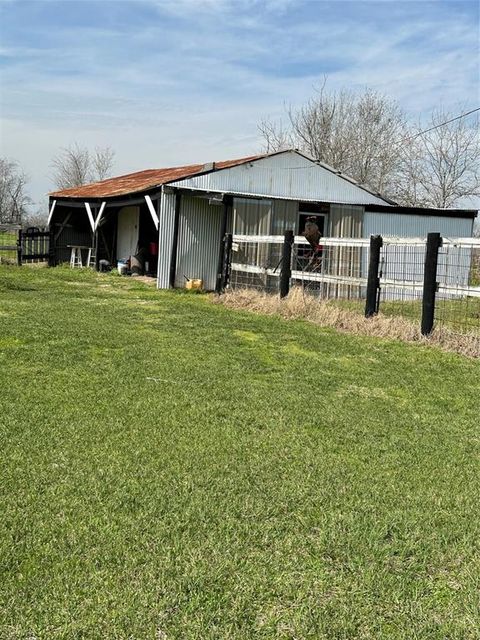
[(91, 257)]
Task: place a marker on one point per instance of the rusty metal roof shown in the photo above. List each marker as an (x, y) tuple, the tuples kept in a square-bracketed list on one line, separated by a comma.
[(144, 180)]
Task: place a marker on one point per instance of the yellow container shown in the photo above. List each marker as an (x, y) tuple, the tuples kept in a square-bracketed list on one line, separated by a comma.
[(194, 283)]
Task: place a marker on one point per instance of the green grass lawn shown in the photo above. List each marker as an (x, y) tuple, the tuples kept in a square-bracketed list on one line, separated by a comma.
[(172, 469)]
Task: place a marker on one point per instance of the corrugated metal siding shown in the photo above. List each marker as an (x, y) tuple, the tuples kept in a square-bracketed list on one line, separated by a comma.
[(255, 216), (252, 216), (166, 217), (285, 216), (198, 241), (410, 226), (288, 176), (345, 221), (407, 263)]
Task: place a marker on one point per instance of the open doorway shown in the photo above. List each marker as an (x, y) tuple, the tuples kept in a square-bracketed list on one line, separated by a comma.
[(308, 210), (127, 232)]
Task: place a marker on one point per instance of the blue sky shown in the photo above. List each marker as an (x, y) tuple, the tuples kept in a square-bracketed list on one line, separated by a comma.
[(167, 82)]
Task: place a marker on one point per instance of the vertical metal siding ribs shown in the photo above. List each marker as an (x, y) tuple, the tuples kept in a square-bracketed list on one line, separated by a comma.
[(166, 215), (198, 241)]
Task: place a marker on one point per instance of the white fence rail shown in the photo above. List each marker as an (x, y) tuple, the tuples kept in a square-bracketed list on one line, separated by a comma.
[(360, 242), (344, 261), (339, 269)]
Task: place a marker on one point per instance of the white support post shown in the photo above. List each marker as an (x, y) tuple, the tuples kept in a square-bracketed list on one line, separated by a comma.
[(153, 213), (50, 213), (99, 215), (90, 216)]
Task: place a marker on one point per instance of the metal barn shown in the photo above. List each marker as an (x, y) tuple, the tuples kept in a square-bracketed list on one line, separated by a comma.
[(174, 219)]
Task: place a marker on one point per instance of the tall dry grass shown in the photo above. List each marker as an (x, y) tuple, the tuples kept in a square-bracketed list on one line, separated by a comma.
[(326, 313)]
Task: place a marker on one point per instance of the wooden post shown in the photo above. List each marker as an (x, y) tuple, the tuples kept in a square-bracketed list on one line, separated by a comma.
[(286, 270), (19, 248), (434, 242), (221, 255), (373, 281), (176, 224)]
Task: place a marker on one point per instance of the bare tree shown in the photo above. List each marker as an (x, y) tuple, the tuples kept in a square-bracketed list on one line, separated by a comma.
[(405, 187), (38, 218), (71, 167), (13, 197), (441, 167), (76, 165), (367, 137), (275, 136), (102, 162), (356, 134)]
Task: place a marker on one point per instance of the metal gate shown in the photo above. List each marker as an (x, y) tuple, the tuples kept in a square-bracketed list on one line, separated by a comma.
[(35, 245)]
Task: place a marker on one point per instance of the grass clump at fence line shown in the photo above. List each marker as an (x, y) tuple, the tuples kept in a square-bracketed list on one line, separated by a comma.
[(347, 316), (461, 315), (177, 469)]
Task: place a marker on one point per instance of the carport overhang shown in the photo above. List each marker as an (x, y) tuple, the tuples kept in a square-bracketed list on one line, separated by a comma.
[(94, 208)]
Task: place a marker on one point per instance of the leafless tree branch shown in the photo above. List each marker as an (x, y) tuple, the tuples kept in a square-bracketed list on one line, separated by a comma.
[(13, 197), (353, 133), (76, 165), (444, 163), (367, 137)]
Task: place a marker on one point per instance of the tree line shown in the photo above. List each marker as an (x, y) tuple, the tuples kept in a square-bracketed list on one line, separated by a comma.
[(366, 136)]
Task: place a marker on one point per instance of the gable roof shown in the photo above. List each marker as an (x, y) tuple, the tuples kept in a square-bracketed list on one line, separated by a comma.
[(145, 180), (286, 175), (140, 181)]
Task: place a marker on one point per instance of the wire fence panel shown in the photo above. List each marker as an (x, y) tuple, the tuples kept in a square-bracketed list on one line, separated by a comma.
[(337, 269), (457, 302), (331, 271), (401, 278), (256, 265)]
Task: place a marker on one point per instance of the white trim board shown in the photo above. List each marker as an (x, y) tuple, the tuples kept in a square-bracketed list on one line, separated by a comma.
[(153, 213)]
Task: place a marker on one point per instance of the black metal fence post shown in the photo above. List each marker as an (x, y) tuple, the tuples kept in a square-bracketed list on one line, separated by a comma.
[(223, 276), (286, 270), (373, 281), (434, 242), (19, 248), (227, 261), (221, 257)]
